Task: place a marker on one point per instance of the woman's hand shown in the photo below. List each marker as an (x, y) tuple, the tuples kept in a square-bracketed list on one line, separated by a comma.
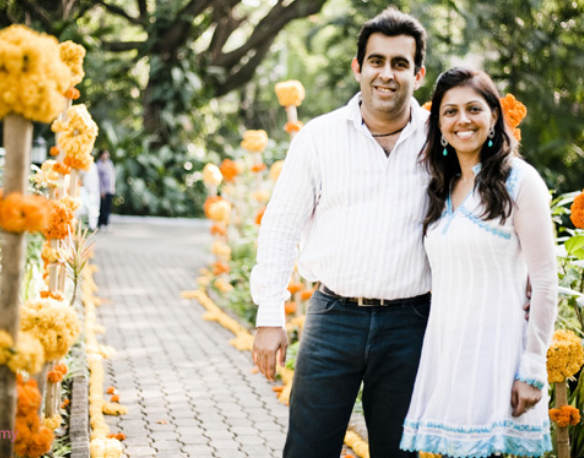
[(523, 397)]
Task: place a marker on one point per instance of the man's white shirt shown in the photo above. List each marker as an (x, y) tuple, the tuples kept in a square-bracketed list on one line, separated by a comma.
[(357, 213)]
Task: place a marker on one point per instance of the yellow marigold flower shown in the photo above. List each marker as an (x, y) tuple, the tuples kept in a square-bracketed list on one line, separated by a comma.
[(275, 170), (72, 203), (113, 408), (212, 175), (53, 422), (6, 344), (76, 137), (49, 254), (47, 176), (223, 285), (53, 322), (220, 211), (255, 141), (20, 213), (29, 354), (230, 169), (261, 196), (34, 78), (72, 55), (221, 250), (577, 209), (290, 93), (565, 356)]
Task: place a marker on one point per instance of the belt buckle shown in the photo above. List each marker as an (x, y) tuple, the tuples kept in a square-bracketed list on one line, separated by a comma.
[(360, 301)]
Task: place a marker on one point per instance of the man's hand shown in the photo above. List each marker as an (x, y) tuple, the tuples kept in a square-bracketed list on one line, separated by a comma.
[(266, 345), (523, 397)]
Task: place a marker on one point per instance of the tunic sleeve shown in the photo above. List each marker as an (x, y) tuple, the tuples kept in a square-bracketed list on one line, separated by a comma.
[(291, 205), (533, 224)]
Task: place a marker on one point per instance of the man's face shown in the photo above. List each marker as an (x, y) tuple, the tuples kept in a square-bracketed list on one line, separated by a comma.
[(387, 75)]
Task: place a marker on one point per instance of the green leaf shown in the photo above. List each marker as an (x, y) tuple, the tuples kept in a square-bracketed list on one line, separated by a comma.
[(574, 243)]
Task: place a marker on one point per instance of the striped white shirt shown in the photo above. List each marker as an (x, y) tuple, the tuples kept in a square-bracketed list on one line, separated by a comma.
[(357, 213)]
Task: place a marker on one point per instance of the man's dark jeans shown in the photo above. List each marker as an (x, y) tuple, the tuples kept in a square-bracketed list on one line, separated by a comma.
[(343, 344)]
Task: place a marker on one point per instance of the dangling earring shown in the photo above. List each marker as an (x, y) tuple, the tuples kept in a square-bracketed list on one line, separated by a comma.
[(444, 143), (491, 135)]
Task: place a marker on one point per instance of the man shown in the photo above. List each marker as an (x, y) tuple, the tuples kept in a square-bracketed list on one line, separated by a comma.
[(353, 190), (107, 187)]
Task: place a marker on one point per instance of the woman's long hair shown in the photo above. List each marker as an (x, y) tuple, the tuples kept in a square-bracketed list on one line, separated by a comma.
[(495, 160)]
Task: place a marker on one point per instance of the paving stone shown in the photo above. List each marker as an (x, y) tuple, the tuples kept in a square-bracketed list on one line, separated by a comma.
[(196, 449), (162, 445)]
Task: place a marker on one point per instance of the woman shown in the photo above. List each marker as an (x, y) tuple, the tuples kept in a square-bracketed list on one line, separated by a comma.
[(481, 384)]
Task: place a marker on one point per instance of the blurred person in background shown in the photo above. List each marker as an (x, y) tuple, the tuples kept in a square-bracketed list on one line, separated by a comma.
[(107, 187)]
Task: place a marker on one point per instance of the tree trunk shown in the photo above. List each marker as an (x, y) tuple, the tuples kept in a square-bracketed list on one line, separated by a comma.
[(17, 142)]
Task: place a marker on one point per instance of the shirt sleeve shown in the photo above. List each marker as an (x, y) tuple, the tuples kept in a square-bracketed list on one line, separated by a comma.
[(291, 205), (533, 224)]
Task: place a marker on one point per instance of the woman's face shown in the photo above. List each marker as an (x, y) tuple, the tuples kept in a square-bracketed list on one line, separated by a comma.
[(465, 120)]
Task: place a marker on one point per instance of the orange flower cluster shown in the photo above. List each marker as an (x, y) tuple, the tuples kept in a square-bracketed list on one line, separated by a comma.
[(115, 398), (293, 126), (118, 436), (260, 216), (290, 308), (513, 112), (20, 213), (577, 210), (57, 295), (295, 287), (79, 163), (427, 105), (229, 169), (57, 374), (65, 403), (220, 267), (54, 151), (256, 168), (61, 168), (306, 294), (210, 201), (111, 390), (72, 93), (218, 229), (33, 439), (566, 415), (61, 220)]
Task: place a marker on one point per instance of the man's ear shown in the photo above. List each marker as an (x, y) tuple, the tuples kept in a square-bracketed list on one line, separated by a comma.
[(356, 69), (420, 77)]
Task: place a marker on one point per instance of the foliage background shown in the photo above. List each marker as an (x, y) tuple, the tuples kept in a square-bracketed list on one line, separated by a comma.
[(167, 101)]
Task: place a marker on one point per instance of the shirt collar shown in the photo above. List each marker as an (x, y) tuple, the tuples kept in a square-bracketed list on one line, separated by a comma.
[(477, 168)]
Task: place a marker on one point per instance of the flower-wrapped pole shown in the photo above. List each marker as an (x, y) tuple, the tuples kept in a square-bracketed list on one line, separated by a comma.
[(565, 357), (290, 95)]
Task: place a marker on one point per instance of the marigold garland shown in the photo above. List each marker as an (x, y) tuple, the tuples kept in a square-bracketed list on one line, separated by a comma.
[(6, 347), (229, 169), (223, 285), (221, 250), (290, 93), (577, 209), (54, 151), (565, 356), (28, 355), (218, 229), (275, 170), (255, 141), (293, 126), (260, 216), (212, 175), (257, 168), (54, 323), (76, 137), (564, 416), (49, 255), (208, 202), (60, 222), (53, 422), (261, 196), (220, 211), (48, 175), (34, 78), (295, 287), (220, 267), (33, 439), (290, 308), (72, 55), (20, 213)]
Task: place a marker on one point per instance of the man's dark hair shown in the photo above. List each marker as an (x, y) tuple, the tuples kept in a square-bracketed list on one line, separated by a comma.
[(392, 22)]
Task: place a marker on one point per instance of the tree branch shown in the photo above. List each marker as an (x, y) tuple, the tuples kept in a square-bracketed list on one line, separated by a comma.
[(41, 14), (120, 12), (143, 8), (246, 72), (121, 46), (226, 25), (278, 17)]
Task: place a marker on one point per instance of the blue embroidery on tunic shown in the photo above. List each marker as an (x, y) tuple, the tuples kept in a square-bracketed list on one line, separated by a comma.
[(530, 380), (482, 224)]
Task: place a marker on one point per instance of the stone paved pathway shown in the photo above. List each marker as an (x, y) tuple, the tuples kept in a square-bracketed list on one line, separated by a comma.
[(190, 393)]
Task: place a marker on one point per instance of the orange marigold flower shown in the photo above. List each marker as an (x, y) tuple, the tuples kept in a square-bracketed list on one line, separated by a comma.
[(427, 105), (20, 213), (54, 376), (295, 287), (62, 368), (293, 126), (111, 390), (290, 308), (57, 295), (218, 229), (577, 210), (229, 170), (54, 151), (61, 220), (115, 398), (65, 403), (62, 169), (513, 110), (118, 436), (220, 267), (306, 294), (564, 416), (28, 396), (256, 168), (72, 93), (79, 163), (210, 201), (278, 389), (259, 216)]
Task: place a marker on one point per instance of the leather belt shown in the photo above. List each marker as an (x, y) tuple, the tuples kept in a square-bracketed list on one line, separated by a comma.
[(367, 302)]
